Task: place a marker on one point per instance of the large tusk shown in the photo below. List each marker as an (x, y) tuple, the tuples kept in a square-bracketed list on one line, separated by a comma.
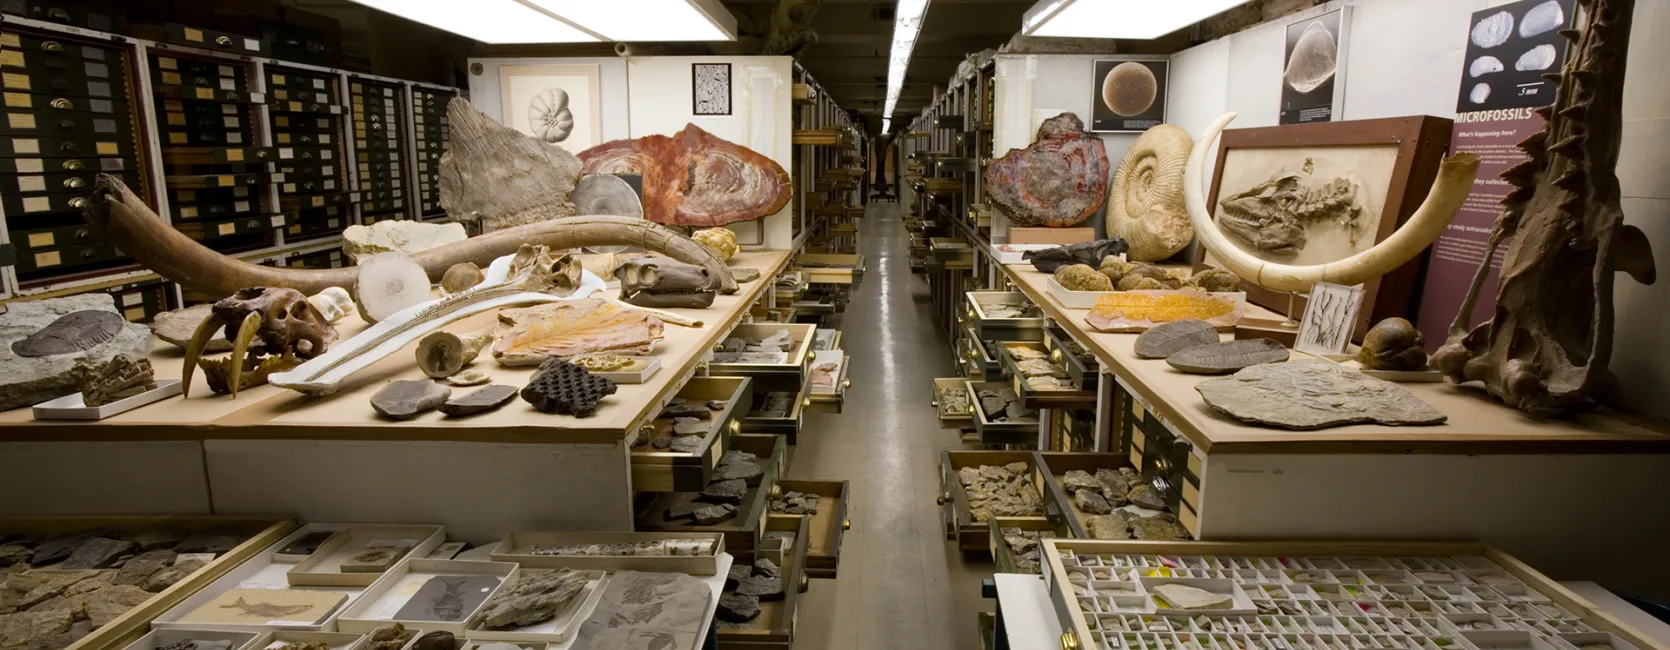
[(240, 349), (194, 350), (1449, 190)]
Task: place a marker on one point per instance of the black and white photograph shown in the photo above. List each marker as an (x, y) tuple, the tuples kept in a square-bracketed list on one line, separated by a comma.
[(1509, 48), (1129, 95), (711, 88), (1311, 65)]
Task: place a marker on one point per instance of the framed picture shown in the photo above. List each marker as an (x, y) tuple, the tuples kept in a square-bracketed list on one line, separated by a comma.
[(1128, 94), (560, 104), (710, 85), (1321, 192), (1312, 64)]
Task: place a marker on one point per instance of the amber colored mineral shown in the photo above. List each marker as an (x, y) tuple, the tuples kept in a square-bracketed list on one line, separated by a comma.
[(695, 178), (1393, 344), (1058, 181), (1134, 311)]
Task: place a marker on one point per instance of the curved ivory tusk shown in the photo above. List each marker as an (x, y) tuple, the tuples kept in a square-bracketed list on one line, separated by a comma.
[(1449, 190)]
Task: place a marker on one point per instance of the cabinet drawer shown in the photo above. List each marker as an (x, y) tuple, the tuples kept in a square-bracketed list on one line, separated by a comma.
[(218, 155), (206, 94), (1070, 396), (1059, 506), (207, 181), (973, 534), (80, 181), (212, 210), (1080, 365), (205, 137), (55, 12), (330, 258), (64, 124), (205, 230), (1003, 556), (993, 431), (773, 628), (317, 222), (66, 147), (304, 139), (832, 268), (33, 50), (50, 165), (50, 232), (142, 302), (658, 470), (65, 260), (778, 422), (304, 123), (742, 531), (207, 39), (826, 527), (307, 185), (295, 202), (788, 375), (65, 84), (991, 324), (70, 201), (38, 67), (279, 77), (948, 417)]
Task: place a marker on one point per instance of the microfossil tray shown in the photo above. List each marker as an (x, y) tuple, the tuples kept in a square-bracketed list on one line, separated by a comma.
[(69, 407), (638, 372)]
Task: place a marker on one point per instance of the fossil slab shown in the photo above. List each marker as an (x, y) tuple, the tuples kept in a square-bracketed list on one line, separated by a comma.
[(397, 236), (738, 465), (729, 491), (737, 608), (564, 388), (646, 610), (1058, 181), (405, 399), (695, 178), (535, 597), (177, 326), (480, 400), (71, 333), (1166, 339), (567, 329), (1307, 395), (447, 598), (1228, 356), (26, 380), (1136, 311), (507, 178)]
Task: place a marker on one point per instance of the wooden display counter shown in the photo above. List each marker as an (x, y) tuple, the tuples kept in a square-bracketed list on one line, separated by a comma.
[(1540, 488)]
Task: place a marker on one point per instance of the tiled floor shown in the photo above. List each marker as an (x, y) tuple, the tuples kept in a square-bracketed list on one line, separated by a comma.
[(901, 584)]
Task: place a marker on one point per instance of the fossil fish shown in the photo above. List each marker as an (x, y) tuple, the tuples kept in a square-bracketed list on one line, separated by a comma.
[(267, 610)]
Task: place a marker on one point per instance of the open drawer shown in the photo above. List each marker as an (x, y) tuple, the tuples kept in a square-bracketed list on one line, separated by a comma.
[(773, 628), (983, 354), (826, 527), (993, 431), (831, 268), (1059, 506), (833, 399), (780, 422), (991, 320), (1018, 358), (742, 531), (789, 374), (1081, 366), (961, 524), (951, 416), (666, 470), (1004, 556)]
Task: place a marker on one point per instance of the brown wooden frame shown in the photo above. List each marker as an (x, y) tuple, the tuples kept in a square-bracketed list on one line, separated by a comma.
[(1422, 141)]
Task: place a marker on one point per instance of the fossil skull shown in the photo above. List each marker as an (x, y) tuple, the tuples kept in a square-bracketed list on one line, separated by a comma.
[(664, 282), (264, 321)]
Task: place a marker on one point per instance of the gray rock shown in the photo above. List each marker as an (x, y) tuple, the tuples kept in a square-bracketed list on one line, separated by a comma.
[(737, 608), (765, 567), (716, 405), (167, 577), (1091, 502), (1228, 356), (647, 611), (59, 548), (736, 575), (1166, 339), (690, 426), (535, 597), (745, 274), (687, 444), (661, 443), (762, 587), (1109, 526), (480, 400), (737, 467), (682, 510), (699, 411), (154, 539), (140, 568), (1144, 495), (176, 327), (1159, 528), (1308, 395), (14, 554), (1114, 485), (708, 515), (730, 491), (26, 380), (1078, 479), (404, 399), (209, 541)]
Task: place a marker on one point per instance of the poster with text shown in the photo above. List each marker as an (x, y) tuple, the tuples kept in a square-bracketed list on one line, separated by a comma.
[(1311, 67), (1130, 95), (1508, 49)]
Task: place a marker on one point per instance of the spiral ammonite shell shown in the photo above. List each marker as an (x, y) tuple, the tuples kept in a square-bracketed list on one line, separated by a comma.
[(549, 117), (1129, 89), (1145, 204)]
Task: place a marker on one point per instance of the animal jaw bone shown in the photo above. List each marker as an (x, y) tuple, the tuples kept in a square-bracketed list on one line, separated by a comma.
[(527, 278), (1547, 349), (1455, 180), (281, 322)]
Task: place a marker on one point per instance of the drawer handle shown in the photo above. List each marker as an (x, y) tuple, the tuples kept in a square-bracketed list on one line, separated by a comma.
[(1069, 640), (59, 84), (69, 146), (805, 583), (776, 491), (223, 41), (846, 524), (74, 183), (736, 426), (81, 234), (261, 154), (806, 403), (66, 124), (62, 103), (52, 46), (78, 202), (72, 164), (943, 498), (87, 255), (59, 15), (232, 96)]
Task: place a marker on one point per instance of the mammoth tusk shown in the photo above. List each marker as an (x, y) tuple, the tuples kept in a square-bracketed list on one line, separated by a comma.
[(1449, 190), (194, 350), (240, 349)]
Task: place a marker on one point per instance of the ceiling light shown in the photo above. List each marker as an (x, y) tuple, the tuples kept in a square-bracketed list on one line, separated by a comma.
[(907, 23), (886, 124), (1131, 19), (647, 20), (488, 21)]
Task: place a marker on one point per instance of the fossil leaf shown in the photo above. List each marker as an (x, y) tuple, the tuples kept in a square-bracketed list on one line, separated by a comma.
[(72, 332), (530, 335), (1228, 356), (1167, 339)]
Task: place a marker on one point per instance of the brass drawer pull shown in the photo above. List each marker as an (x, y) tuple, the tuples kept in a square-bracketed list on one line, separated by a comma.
[(74, 183), (78, 202), (223, 41), (62, 103), (943, 498), (72, 165), (52, 46)]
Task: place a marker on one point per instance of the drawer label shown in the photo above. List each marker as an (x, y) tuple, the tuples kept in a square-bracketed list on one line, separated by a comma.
[(50, 258), (18, 100), (40, 239), (26, 145), (226, 229), (170, 78), (31, 183), (107, 148), (10, 40), (234, 155), (14, 80), (131, 299), (12, 58), (278, 79), (188, 212), (134, 313), (194, 34), (37, 204), (167, 63)]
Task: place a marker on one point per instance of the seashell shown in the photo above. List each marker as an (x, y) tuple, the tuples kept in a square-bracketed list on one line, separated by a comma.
[(1479, 93), (549, 117), (1540, 57), (1129, 89), (1493, 30), (1542, 19), (1484, 65), (1314, 58), (1145, 205)]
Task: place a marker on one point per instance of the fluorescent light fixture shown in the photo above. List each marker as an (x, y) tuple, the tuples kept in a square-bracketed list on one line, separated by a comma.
[(907, 24), (647, 20), (488, 21), (1131, 19), (886, 124)]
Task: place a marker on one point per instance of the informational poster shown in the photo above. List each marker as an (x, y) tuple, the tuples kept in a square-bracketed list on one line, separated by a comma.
[(1130, 95), (1509, 47), (1311, 68)]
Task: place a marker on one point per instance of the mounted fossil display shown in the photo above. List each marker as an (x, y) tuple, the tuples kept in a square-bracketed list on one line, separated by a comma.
[(269, 328), (662, 282), (695, 178), (1060, 180), (530, 335), (1273, 217), (1145, 203), (1548, 347)]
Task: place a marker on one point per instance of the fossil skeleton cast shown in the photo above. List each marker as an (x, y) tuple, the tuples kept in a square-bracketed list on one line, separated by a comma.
[(530, 277), (1455, 179), (1547, 348), (281, 323), (122, 216)]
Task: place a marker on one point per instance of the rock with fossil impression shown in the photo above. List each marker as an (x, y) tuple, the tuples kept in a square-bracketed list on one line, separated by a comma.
[(1058, 181), (1166, 339), (530, 335), (509, 179), (536, 596), (1227, 357), (647, 610), (1306, 394), (606, 194), (42, 340), (1273, 217)]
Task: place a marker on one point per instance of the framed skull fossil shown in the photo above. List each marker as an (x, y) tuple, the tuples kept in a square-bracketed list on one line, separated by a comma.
[(559, 104), (1317, 193)]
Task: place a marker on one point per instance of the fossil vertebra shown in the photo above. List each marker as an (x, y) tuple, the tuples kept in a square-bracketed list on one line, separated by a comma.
[(1547, 349), (124, 376), (75, 332), (1145, 206)]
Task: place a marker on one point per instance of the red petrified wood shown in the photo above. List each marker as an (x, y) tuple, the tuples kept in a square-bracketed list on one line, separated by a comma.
[(695, 178), (1057, 182)]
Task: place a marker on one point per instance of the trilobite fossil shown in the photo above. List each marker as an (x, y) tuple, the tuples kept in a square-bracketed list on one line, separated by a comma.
[(72, 332)]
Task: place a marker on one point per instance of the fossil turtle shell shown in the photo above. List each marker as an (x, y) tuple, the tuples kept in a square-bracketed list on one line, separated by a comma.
[(1228, 356), (72, 332)]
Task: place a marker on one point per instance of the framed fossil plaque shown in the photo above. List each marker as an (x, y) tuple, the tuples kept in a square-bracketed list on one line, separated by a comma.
[(1322, 192), (559, 104)]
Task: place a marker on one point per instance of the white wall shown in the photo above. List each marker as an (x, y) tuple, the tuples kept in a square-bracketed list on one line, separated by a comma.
[(485, 95), (1405, 58)]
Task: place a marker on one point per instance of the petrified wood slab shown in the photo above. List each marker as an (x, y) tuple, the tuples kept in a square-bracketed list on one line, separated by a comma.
[(1228, 356), (1058, 181), (695, 178), (1166, 339), (508, 178), (1307, 395)]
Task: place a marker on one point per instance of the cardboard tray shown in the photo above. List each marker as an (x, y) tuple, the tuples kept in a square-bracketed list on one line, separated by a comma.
[(561, 628), (262, 571)]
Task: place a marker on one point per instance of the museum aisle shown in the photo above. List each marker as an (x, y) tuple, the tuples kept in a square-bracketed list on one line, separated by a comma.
[(902, 585)]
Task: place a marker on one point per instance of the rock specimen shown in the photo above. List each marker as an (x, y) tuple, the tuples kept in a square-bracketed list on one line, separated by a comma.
[(507, 178), (1003, 405), (1308, 395), (1393, 344), (1078, 479), (737, 608), (952, 401), (404, 399), (1166, 339), (1082, 277), (468, 378), (1090, 252), (1091, 502), (460, 277), (720, 240), (689, 427), (1145, 204), (1179, 596), (96, 553), (647, 548), (737, 464), (606, 194), (122, 377), (665, 282), (31, 373), (530, 335), (695, 178), (1024, 546), (389, 638), (1215, 279), (409, 237), (1000, 491), (480, 400), (437, 640), (763, 587), (1228, 356), (646, 610), (1313, 60), (535, 597), (1109, 526), (442, 354), (139, 569), (1060, 180), (796, 503), (176, 327), (1135, 311), (678, 408), (564, 388), (728, 491), (1144, 495), (1129, 89)]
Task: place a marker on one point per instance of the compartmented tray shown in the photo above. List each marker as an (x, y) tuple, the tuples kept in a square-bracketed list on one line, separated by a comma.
[(266, 569), (742, 532), (324, 567), (774, 627), (1318, 596), (826, 527), (1028, 326), (559, 629), (958, 420), (519, 548), (991, 431), (382, 603), (664, 470), (958, 515)]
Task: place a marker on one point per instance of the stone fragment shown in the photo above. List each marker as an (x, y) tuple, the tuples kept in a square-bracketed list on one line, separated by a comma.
[(393, 637), (437, 640), (682, 510), (404, 399), (97, 553), (689, 427), (1001, 491), (762, 587), (167, 577), (744, 274), (765, 567), (730, 491), (1058, 181), (698, 411), (1144, 495), (661, 443), (177, 326), (708, 515), (41, 586), (1114, 485), (409, 237), (17, 629), (687, 444), (795, 503), (737, 608), (27, 380), (140, 568), (469, 378), (564, 388), (1178, 596), (11, 554), (716, 405), (154, 539), (1393, 344), (535, 597), (106, 604), (736, 575), (1079, 479), (1228, 356), (480, 400), (1307, 395), (1166, 339), (209, 541), (1091, 502), (1082, 277), (59, 548), (738, 465), (647, 611), (1109, 526), (1159, 528)]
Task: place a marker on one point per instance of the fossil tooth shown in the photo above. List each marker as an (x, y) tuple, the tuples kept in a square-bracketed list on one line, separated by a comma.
[(206, 330), (1484, 65), (1540, 57), (240, 349), (1542, 19), (1493, 30)]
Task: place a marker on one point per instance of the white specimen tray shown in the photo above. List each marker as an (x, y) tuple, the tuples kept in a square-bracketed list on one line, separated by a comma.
[(70, 407), (240, 640), (1014, 256), (332, 640), (1087, 299), (628, 375), (384, 598), (324, 567), (558, 629), (259, 572)]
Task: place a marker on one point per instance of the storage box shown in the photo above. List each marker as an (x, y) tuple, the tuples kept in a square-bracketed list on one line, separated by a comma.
[(1054, 236), (559, 629)]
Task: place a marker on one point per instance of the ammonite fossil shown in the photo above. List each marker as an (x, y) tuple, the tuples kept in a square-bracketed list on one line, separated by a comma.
[(1145, 206), (549, 117)]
